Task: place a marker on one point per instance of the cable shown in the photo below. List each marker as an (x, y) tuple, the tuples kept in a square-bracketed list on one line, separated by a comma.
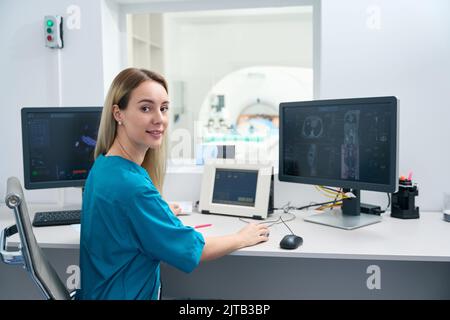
[(338, 196), (286, 225), (272, 222), (336, 202), (335, 199), (331, 189), (314, 205), (388, 205), (389, 200), (330, 206), (286, 208), (267, 221), (282, 221), (327, 192)]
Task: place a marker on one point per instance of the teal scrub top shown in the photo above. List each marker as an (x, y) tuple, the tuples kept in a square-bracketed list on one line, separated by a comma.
[(126, 230)]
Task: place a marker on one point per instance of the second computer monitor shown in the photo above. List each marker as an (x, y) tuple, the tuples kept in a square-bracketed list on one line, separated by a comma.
[(345, 143), (58, 145)]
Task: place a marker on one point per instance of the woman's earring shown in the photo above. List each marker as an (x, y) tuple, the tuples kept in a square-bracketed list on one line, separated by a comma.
[(120, 123)]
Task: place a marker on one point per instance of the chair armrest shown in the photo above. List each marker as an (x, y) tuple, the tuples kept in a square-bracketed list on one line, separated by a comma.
[(9, 257)]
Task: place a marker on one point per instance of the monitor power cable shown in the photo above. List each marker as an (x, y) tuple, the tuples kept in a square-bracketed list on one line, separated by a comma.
[(389, 201), (287, 207)]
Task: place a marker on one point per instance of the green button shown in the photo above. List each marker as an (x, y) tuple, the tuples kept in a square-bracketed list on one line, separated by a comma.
[(50, 23)]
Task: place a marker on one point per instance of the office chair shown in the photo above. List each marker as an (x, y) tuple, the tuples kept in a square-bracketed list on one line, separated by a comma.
[(29, 255)]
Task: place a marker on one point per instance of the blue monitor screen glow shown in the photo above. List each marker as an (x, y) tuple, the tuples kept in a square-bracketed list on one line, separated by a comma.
[(58, 145), (344, 143), (236, 187)]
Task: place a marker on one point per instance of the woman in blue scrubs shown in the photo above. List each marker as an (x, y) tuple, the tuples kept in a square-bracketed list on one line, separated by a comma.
[(127, 229)]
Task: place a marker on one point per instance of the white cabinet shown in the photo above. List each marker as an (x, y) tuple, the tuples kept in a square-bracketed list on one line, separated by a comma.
[(145, 41)]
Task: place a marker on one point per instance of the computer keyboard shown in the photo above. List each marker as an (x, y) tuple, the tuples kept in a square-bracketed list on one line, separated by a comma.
[(56, 218)]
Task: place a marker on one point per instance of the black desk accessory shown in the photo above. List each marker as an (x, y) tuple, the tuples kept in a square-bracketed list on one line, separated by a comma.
[(403, 201)]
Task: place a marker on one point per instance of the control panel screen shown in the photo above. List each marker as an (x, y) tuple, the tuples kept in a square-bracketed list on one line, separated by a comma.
[(235, 187)]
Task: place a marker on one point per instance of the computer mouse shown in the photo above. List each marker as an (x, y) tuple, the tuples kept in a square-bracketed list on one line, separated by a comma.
[(291, 241)]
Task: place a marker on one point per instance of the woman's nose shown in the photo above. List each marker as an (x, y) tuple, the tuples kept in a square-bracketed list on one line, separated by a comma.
[(158, 117)]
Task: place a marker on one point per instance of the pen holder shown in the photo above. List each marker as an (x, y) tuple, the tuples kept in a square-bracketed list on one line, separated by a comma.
[(403, 201)]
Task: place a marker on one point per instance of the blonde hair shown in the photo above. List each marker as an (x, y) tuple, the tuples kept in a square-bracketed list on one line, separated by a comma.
[(119, 94)]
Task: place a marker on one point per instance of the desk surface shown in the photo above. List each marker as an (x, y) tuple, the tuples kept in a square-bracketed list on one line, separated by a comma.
[(424, 239)]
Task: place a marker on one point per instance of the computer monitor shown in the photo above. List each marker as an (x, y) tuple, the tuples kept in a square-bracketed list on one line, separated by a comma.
[(58, 145), (345, 143)]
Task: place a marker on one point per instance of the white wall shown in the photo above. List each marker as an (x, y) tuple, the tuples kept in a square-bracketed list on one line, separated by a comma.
[(113, 33), (30, 72), (409, 57)]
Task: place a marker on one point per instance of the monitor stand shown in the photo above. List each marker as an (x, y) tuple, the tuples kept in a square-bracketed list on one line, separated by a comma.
[(335, 218), (350, 217)]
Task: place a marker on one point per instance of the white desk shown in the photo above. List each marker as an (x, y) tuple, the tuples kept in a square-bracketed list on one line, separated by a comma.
[(331, 256), (64, 237), (411, 257), (424, 239)]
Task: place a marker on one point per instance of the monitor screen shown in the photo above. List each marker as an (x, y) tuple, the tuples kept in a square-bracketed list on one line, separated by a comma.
[(235, 187), (58, 145), (344, 143)]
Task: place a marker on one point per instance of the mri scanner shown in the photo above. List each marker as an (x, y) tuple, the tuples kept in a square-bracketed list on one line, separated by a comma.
[(241, 110)]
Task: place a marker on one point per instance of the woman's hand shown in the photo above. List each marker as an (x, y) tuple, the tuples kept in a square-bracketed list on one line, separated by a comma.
[(253, 233), (176, 209)]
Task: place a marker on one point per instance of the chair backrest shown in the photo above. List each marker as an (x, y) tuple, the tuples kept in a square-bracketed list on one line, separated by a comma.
[(34, 259)]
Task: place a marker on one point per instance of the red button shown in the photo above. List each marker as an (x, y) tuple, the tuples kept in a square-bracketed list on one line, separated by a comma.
[(49, 38)]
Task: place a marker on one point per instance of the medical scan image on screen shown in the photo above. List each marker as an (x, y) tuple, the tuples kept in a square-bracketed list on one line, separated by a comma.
[(235, 187), (346, 143), (61, 145)]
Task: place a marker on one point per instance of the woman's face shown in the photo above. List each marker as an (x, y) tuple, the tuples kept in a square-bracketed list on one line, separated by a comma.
[(145, 119)]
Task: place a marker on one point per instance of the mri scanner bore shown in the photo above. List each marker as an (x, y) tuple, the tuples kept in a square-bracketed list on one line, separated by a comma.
[(242, 108)]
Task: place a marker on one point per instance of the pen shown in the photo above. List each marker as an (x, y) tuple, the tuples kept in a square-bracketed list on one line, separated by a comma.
[(203, 225), (410, 175)]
